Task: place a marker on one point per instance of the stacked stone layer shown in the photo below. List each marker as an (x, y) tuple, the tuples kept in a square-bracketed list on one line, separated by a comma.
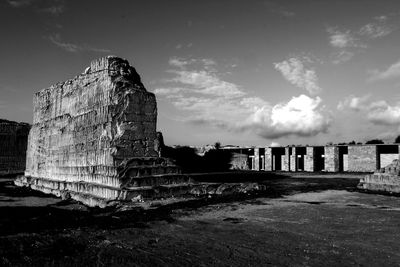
[(13, 143), (386, 179), (93, 137)]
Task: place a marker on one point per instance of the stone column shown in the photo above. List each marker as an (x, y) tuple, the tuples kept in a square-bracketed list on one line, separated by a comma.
[(268, 159), (309, 159), (331, 159), (293, 160), (286, 161), (256, 159)]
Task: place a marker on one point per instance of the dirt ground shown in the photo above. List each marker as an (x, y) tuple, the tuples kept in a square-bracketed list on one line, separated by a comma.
[(317, 220)]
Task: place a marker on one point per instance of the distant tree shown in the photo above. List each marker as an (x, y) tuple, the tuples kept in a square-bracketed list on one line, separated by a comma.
[(352, 142), (217, 145), (374, 142), (359, 143), (397, 139)]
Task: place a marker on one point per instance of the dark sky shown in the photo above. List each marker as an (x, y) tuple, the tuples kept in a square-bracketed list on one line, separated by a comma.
[(239, 72)]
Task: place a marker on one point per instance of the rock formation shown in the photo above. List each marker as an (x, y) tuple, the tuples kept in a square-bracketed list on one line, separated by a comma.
[(13, 142), (94, 139), (386, 179)]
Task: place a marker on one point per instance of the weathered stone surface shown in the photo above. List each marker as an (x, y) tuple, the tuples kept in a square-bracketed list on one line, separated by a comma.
[(331, 159), (386, 179), (94, 137), (362, 158), (286, 159), (309, 161), (13, 143), (268, 159)]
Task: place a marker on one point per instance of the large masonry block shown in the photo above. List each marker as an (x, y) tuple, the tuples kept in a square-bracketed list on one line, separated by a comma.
[(331, 159), (362, 158), (13, 143)]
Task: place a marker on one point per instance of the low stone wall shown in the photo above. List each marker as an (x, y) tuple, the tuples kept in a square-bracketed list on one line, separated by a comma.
[(385, 180), (13, 143)]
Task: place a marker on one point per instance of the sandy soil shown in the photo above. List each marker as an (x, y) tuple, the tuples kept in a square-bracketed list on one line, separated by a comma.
[(298, 221)]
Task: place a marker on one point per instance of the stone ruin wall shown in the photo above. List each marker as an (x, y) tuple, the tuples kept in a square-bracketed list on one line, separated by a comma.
[(13, 143), (86, 129), (362, 158)]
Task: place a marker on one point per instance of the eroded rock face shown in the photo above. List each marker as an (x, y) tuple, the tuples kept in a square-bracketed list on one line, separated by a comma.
[(13, 143), (386, 179), (94, 134)]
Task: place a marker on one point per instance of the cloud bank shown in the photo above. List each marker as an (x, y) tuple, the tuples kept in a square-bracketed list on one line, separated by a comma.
[(377, 112), (393, 71)]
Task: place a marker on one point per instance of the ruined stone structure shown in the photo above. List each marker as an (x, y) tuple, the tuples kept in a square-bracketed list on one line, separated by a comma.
[(94, 139), (13, 143), (330, 158), (386, 179)]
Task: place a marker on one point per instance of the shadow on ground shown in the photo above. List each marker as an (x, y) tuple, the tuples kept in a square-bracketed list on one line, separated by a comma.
[(64, 214)]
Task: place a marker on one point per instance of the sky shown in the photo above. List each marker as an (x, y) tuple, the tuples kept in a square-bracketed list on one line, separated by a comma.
[(255, 72)]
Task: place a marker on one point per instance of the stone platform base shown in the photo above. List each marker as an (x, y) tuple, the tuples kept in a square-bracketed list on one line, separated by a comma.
[(139, 190), (380, 182)]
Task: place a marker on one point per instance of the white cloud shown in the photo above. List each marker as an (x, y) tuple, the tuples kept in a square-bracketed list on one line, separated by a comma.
[(274, 144), (342, 56), (167, 91), (278, 9), (70, 47), (377, 29), (343, 39), (353, 102), (205, 98), (52, 7), (301, 116), (381, 112), (297, 74), (19, 3), (377, 112), (391, 72), (347, 43)]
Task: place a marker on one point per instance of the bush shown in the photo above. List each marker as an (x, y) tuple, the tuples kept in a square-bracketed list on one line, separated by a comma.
[(375, 142), (214, 160)]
